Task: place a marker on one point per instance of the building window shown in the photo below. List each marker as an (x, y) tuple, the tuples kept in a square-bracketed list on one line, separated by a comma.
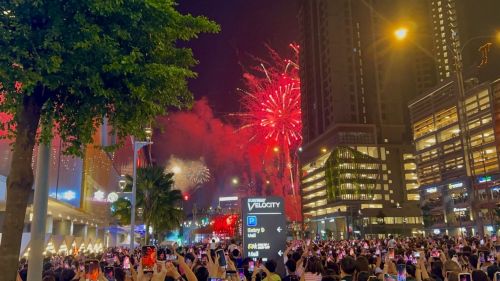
[(408, 156), (485, 160), (413, 197), (449, 133), (410, 166), (411, 186), (423, 127), (425, 143)]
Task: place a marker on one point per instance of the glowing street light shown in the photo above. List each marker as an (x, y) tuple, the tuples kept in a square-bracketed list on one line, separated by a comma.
[(276, 149), (401, 33), (235, 181)]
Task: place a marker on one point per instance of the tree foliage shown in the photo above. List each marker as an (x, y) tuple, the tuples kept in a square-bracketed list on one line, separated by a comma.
[(69, 64), (91, 59), (156, 198)]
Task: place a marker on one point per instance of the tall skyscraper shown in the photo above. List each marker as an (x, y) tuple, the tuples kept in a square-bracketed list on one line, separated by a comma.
[(356, 78), (471, 24)]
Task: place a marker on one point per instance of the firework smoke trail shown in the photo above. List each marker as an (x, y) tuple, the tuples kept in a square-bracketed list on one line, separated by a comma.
[(272, 112), (188, 174)]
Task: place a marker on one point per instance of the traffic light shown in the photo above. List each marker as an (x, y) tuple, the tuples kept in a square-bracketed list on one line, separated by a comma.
[(186, 197)]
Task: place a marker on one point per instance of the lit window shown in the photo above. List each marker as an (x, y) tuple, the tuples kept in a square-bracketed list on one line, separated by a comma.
[(371, 206), (411, 186), (410, 166), (413, 197), (407, 156)]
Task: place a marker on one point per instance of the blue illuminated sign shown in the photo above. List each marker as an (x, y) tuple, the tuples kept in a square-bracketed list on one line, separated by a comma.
[(251, 221), (484, 179)]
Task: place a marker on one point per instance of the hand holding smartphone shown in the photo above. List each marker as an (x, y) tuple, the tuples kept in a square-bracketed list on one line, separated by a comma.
[(401, 272), (222, 257), (109, 273), (91, 270), (148, 258), (251, 266), (464, 277)]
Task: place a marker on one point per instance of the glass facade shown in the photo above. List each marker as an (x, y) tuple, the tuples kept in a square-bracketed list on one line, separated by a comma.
[(446, 190)]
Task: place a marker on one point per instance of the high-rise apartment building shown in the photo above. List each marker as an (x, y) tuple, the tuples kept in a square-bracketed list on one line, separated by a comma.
[(357, 164), (472, 25)]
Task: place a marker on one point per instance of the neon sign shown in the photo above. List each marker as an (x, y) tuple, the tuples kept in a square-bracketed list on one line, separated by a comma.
[(455, 185), (484, 179), (431, 189)]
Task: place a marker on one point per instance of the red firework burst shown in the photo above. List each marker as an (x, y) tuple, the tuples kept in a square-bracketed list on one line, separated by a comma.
[(272, 116), (272, 102)]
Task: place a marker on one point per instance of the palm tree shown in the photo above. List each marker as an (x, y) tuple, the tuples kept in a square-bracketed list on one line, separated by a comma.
[(155, 197)]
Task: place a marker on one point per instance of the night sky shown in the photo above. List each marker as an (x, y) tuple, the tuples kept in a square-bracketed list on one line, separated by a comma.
[(246, 25)]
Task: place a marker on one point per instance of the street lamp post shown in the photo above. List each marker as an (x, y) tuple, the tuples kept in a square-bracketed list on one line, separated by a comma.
[(40, 206), (137, 145)]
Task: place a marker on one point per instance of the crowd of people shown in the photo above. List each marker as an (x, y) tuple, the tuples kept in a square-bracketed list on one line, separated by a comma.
[(391, 259)]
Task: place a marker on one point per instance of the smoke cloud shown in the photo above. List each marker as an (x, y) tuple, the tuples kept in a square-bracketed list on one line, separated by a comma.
[(191, 135)]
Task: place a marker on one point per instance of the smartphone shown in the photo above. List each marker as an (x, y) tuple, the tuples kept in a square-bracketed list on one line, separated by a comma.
[(148, 258), (109, 273), (481, 257), (222, 257), (391, 253), (401, 272), (91, 270), (174, 258), (491, 258), (161, 255), (126, 262), (390, 277), (464, 277), (251, 266), (241, 274), (435, 253), (416, 255)]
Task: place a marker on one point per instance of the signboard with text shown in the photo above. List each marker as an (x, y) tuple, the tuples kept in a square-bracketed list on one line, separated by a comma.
[(264, 228)]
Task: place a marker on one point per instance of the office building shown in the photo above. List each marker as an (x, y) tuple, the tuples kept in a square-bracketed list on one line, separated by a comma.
[(79, 188), (452, 201), (357, 163)]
